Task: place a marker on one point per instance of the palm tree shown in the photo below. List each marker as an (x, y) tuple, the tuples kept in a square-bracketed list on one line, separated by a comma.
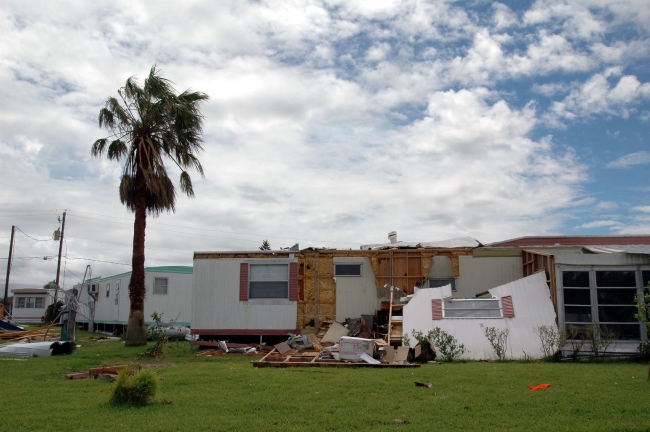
[(148, 124)]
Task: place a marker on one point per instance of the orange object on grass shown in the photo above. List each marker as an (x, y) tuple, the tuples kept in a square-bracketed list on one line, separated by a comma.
[(539, 386)]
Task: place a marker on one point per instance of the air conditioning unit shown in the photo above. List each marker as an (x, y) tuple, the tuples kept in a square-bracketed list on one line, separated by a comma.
[(93, 288)]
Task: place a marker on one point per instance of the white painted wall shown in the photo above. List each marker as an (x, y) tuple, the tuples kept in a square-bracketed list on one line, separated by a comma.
[(216, 304), (532, 305), (176, 304), (355, 295), (478, 274)]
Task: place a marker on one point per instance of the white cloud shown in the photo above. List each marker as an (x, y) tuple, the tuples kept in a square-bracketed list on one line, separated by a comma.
[(329, 121), (643, 209), (606, 205), (637, 158), (600, 224)]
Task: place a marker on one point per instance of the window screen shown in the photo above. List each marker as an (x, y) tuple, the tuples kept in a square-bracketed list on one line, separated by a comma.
[(488, 308), (347, 269), (30, 302), (21, 302), (268, 281), (160, 285), (38, 302)]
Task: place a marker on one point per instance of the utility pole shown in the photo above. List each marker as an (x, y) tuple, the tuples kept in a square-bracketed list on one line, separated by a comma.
[(11, 252), (58, 267)]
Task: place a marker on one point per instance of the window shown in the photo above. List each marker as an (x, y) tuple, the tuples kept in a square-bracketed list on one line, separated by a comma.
[(38, 302), (30, 303), (268, 281), (160, 285), (21, 302), (440, 282), (117, 293), (108, 290), (615, 291), (607, 298), (347, 270), (476, 308)]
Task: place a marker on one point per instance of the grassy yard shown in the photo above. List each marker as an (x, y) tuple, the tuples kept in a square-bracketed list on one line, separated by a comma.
[(221, 393)]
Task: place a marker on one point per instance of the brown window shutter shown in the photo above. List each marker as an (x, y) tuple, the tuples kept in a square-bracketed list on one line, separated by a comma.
[(508, 309), (436, 309), (243, 282), (293, 281)]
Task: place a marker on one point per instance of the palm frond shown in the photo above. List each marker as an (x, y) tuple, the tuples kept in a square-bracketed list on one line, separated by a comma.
[(116, 150), (186, 184), (98, 147)]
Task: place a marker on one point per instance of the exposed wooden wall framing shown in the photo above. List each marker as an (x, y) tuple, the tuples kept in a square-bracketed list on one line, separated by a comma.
[(534, 262)]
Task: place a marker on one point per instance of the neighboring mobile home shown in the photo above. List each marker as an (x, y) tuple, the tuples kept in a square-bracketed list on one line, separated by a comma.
[(30, 304), (168, 291)]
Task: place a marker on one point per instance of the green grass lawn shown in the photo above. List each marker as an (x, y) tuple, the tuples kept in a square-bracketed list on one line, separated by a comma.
[(228, 393)]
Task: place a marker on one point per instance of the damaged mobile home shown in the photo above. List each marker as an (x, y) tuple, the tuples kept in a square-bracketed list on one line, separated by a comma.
[(568, 281)]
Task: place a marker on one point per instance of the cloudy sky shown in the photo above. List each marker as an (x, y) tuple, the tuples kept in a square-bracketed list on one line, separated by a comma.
[(330, 123)]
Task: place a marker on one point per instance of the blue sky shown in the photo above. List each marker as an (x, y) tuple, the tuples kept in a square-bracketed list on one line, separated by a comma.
[(331, 123)]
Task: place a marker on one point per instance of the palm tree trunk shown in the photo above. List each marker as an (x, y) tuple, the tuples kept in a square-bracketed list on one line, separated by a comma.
[(136, 334)]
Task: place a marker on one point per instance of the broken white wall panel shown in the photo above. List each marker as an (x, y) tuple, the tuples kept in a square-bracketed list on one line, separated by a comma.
[(532, 308)]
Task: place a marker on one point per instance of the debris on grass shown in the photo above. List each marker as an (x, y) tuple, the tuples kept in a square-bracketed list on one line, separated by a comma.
[(539, 386)]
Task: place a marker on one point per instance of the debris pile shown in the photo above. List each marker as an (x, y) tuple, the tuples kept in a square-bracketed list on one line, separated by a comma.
[(105, 372), (32, 335), (223, 348), (348, 344)]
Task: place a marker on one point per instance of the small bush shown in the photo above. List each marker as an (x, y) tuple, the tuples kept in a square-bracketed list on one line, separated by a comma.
[(446, 344), (137, 389), (552, 339), (499, 340)]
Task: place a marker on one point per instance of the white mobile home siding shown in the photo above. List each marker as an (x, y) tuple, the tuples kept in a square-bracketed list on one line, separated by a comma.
[(216, 304), (355, 295), (478, 274), (175, 305)]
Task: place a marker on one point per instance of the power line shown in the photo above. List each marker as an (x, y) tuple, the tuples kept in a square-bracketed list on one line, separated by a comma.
[(130, 245), (96, 260), (201, 228), (35, 239)]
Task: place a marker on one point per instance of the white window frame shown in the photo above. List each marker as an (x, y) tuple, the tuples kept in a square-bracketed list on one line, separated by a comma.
[(30, 303), (593, 293), (476, 310), (36, 299), (250, 280), (166, 279), (348, 264), (108, 290), (18, 305)]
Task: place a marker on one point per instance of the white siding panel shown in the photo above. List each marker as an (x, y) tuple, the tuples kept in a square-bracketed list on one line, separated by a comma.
[(355, 295), (532, 305), (216, 304), (482, 273), (441, 268)]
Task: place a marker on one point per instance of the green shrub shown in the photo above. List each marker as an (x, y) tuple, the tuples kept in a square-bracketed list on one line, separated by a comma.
[(137, 389), (446, 344), (498, 338)]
